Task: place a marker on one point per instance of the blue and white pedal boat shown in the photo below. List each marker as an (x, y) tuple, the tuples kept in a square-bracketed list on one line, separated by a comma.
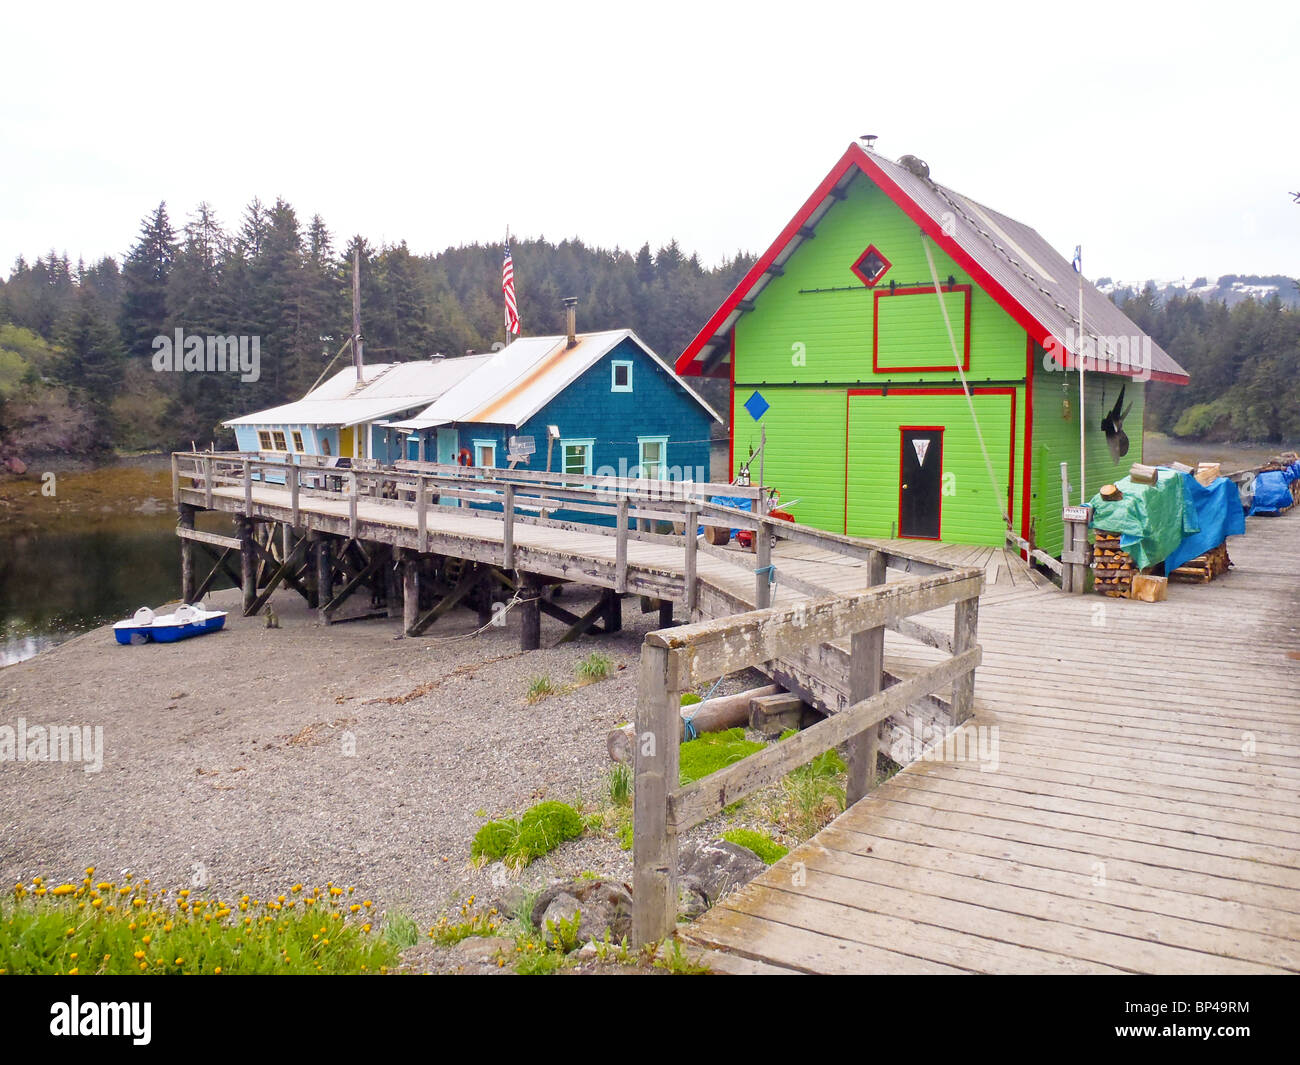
[(182, 623)]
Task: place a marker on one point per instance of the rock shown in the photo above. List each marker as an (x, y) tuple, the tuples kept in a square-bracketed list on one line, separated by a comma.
[(691, 902), (481, 949), (560, 908), (716, 867), (16, 465), (604, 904)]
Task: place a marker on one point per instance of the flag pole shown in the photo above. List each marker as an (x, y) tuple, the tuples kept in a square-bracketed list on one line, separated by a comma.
[(1083, 458), (506, 313)]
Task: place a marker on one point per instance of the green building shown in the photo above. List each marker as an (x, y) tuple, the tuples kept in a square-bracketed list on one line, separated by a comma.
[(838, 352)]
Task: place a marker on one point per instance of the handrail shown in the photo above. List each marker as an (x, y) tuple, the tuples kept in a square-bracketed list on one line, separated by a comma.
[(675, 660)]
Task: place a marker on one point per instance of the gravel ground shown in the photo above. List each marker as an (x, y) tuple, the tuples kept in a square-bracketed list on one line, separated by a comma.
[(226, 758)]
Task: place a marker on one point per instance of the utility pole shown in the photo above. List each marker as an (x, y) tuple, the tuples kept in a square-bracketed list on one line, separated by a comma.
[(357, 343)]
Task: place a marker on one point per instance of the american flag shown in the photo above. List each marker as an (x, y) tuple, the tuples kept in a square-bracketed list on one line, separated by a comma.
[(508, 290)]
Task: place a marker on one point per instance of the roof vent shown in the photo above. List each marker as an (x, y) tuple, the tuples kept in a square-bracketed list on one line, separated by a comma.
[(869, 139), (919, 167), (571, 318)]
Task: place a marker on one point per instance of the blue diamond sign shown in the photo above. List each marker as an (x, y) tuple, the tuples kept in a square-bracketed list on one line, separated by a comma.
[(757, 406)]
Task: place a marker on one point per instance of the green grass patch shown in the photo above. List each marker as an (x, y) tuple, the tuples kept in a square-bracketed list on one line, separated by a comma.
[(104, 927), (594, 667), (448, 930), (713, 751), (618, 784), (759, 842), (518, 843), (539, 688)]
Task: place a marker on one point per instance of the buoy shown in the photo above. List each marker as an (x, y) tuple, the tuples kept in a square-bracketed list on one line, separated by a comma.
[(465, 456)]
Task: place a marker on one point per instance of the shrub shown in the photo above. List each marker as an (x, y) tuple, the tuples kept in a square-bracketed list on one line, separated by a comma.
[(541, 830), (494, 840)]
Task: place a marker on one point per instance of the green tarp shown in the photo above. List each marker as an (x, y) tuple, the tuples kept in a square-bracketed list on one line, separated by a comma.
[(1152, 519)]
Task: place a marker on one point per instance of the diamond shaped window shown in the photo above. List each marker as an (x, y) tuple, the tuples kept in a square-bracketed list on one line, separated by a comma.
[(871, 267)]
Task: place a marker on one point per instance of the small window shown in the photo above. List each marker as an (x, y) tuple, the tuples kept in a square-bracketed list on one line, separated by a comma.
[(577, 456), (325, 446), (622, 377), (297, 441), (280, 442), (871, 266), (485, 453), (653, 456), (264, 440)]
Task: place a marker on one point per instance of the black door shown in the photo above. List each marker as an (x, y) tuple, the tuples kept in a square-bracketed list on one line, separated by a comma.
[(920, 481)]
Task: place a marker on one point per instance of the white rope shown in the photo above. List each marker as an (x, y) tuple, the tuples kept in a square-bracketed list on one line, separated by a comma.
[(957, 361)]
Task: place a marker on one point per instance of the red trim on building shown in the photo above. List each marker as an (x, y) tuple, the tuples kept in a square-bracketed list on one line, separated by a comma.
[(856, 156), (975, 391), (731, 375), (940, 429), (1028, 474), (917, 290), (870, 282)]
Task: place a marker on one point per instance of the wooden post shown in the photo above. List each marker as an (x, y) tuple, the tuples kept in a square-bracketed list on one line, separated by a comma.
[(207, 481), (248, 488), (508, 535), (620, 548), (763, 571), (176, 478), (410, 591), (530, 626), (665, 613), (185, 514), (392, 584), (353, 524), (692, 553), (421, 514), (965, 629), (324, 577), (654, 842), (292, 475), (613, 611), (247, 559), (866, 666)]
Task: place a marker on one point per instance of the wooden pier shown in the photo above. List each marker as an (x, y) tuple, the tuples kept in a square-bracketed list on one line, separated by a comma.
[(1142, 815)]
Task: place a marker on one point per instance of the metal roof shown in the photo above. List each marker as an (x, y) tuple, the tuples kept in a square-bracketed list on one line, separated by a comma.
[(388, 388), (1018, 268), (519, 380)]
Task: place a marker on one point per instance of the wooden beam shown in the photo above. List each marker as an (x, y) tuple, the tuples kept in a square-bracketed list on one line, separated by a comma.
[(964, 631), (530, 612), (866, 666), (185, 518), (285, 568), (222, 564), (247, 562), (654, 839), (188, 532), (468, 579), (410, 592)]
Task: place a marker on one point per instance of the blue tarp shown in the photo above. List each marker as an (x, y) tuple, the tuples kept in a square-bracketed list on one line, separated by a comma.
[(1218, 516), (1273, 491), (727, 501)]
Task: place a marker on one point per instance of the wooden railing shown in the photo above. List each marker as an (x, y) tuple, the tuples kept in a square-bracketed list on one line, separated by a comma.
[(676, 660)]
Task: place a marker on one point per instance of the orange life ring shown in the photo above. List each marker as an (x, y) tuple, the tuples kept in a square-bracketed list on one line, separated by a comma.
[(464, 456)]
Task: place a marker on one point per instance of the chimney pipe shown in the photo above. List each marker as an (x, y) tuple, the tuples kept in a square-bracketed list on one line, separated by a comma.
[(571, 319)]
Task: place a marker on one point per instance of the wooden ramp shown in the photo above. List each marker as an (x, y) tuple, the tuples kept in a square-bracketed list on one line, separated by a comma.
[(1140, 811)]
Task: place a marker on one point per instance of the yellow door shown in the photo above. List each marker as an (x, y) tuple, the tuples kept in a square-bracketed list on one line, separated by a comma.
[(346, 441)]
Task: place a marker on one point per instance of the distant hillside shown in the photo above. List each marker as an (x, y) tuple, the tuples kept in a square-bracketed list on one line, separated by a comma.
[(1230, 288)]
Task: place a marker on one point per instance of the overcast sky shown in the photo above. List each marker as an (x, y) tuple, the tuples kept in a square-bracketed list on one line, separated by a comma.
[(1161, 137)]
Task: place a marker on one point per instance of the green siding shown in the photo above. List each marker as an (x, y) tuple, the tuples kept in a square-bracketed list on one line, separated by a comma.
[(835, 328), (805, 449), (1056, 440), (971, 507), (910, 323)]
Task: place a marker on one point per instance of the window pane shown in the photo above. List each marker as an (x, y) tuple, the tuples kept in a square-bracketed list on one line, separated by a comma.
[(297, 441), (280, 444), (575, 458)]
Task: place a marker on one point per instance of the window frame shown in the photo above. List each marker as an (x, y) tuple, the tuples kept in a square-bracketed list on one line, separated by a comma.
[(298, 444), (486, 445), (280, 440), (264, 441), (662, 461), (614, 386), (589, 443)]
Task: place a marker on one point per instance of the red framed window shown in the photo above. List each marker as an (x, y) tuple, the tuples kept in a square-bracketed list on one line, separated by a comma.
[(871, 266)]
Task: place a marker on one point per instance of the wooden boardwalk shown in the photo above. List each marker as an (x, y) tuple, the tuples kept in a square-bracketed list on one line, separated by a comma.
[(1142, 813)]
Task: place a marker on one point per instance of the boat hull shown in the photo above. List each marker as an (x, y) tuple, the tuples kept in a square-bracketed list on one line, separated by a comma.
[(137, 634)]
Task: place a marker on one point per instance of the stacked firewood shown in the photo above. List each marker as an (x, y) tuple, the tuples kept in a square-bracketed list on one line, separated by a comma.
[(1113, 567), (1204, 568)]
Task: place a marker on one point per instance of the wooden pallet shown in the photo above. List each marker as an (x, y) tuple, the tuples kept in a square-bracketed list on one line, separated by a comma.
[(1204, 568)]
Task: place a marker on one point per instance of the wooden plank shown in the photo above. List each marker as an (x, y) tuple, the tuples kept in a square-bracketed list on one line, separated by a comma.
[(229, 543), (866, 669)]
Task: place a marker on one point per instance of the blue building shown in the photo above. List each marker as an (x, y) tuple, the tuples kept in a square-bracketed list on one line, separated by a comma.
[(596, 404)]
